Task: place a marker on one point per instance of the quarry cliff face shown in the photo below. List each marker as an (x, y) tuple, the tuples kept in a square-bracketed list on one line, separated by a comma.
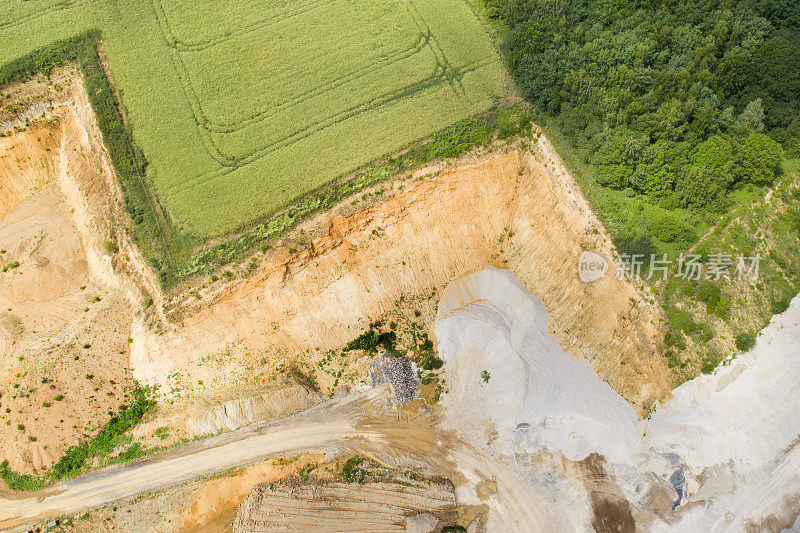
[(67, 305), (517, 210), (73, 307)]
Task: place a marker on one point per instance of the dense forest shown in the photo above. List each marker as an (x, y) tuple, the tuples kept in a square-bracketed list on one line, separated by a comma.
[(676, 101), (676, 116)]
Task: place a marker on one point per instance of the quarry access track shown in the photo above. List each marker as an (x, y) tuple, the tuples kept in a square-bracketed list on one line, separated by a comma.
[(358, 423)]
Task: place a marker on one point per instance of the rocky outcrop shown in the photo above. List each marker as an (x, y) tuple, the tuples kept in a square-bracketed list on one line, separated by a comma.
[(239, 412), (399, 373)]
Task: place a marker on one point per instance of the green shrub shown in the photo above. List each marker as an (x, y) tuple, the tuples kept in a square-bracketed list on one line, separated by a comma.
[(723, 306), (632, 243), (708, 292), (703, 332), (512, 121), (759, 159), (134, 451), (371, 339), (673, 358), (745, 341), (351, 471), (431, 362), (458, 138), (17, 481), (781, 305), (669, 228), (11, 265), (681, 320), (674, 339), (710, 361)]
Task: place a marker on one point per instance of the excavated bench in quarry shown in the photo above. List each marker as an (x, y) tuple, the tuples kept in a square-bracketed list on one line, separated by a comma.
[(292, 505)]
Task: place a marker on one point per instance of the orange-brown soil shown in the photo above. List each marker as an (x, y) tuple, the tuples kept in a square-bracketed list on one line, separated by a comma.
[(73, 331)]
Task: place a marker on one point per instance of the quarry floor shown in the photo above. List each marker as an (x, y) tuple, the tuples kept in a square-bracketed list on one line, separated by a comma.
[(82, 316), (75, 330)]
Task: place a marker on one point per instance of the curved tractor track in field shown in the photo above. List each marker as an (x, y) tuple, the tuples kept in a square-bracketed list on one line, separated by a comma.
[(444, 72)]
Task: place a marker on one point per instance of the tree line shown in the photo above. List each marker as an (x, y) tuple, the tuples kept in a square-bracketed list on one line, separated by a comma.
[(680, 101)]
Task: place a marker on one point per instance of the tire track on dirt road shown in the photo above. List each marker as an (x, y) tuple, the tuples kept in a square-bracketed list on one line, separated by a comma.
[(356, 423)]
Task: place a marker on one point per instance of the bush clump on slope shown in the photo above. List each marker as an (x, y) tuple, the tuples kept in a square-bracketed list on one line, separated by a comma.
[(102, 444)]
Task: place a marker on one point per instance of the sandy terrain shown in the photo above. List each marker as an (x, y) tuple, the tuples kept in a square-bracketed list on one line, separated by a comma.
[(66, 313), (752, 485), (359, 423), (505, 210), (290, 505), (204, 505), (74, 333)]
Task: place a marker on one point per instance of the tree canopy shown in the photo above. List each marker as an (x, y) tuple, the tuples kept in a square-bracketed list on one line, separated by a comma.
[(678, 100)]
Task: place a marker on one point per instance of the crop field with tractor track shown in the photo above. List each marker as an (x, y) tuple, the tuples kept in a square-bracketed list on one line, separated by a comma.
[(241, 108)]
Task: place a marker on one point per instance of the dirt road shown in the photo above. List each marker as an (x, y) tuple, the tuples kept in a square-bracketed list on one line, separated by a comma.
[(329, 424), (355, 423)]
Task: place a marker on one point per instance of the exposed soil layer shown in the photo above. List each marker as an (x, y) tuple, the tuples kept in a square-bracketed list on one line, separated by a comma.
[(66, 311), (218, 500), (290, 505), (508, 209)]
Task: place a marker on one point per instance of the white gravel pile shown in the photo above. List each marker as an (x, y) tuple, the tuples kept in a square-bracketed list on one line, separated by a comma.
[(506, 374)]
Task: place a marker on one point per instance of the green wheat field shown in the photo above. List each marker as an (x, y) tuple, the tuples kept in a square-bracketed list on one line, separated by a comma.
[(242, 107)]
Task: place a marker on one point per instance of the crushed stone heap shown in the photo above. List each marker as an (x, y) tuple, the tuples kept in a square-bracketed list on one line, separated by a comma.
[(399, 372)]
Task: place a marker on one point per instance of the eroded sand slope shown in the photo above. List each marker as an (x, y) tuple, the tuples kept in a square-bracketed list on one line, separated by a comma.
[(505, 210), (65, 313)]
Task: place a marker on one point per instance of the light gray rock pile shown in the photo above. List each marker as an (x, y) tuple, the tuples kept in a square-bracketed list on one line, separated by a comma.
[(399, 372)]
